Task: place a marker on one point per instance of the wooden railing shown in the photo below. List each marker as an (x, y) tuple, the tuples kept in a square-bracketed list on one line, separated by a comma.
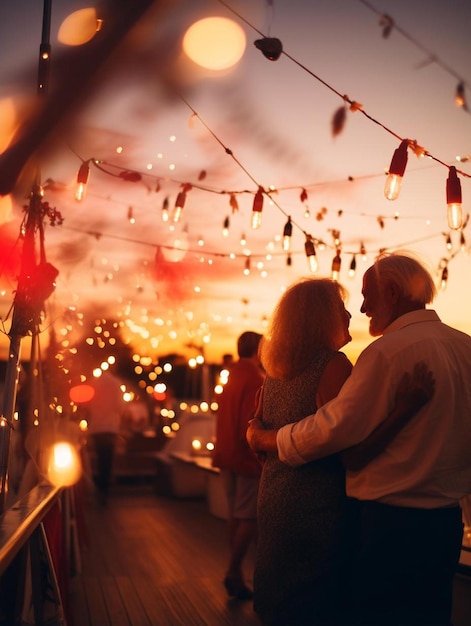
[(30, 590)]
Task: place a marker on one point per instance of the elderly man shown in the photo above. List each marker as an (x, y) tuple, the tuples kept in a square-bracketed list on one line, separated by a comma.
[(409, 517)]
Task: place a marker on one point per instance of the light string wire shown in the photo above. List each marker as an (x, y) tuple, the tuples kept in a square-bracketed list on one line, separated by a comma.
[(245, 170), (344, 97), (431, 56), (225, 255)]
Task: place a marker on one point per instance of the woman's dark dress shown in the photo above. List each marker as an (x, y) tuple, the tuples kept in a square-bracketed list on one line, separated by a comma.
[(301, 515)]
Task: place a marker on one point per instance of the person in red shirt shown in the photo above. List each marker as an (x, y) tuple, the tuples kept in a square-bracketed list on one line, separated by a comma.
[(240, 468)]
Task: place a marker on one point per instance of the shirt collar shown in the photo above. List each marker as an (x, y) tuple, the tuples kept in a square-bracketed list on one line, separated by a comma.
[(414, 317)]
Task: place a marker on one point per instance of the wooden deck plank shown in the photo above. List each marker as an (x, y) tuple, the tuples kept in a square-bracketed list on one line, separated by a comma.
[(116, 605), (153, 561)]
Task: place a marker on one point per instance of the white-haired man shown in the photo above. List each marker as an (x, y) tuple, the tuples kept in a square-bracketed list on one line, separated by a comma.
[(409, 518)]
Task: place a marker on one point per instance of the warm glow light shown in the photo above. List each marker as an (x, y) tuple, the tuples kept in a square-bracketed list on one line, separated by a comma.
[(178, 248), (8, 122), (215, 43), (6, 206), (81, 393), (64, 467), (79, 27)]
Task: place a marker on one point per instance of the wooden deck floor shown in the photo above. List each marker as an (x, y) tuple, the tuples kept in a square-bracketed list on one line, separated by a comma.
[(153, 561)]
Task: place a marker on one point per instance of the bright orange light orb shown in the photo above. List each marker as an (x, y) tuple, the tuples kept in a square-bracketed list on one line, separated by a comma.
[(81, 393), (215, 43)]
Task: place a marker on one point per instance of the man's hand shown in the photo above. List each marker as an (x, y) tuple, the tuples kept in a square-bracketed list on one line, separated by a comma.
[(259, 439), (415, 390)]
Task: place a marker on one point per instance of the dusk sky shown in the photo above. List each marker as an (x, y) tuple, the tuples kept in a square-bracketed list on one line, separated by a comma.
[(153, 115)]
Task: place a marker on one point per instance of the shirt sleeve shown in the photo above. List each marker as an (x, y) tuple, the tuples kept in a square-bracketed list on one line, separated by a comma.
[(363, 402)]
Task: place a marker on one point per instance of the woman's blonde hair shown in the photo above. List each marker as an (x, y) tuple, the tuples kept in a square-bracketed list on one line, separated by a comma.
[(308, 316)]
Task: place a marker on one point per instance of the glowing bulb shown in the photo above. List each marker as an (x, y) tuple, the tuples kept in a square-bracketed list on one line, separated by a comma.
[(178, 208), (64, 467), (311, 254), (336, 263), (82, 180), (453, 198), (287, 233), (396, 171), (257, 209)]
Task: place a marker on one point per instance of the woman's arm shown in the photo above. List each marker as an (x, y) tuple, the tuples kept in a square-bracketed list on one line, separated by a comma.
[(411, 395)]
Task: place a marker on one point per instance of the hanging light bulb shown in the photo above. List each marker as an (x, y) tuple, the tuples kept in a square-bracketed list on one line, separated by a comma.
[(449, 244), (165, 205), (178, 208), (460, 97), (311, 254), (336, 263), (462, 242), (289, 260), (453, 200), (353, 267), (225, 227), (257, 209), (444, 278), (82, 180), (396, 171), (287, 233), (247, 266), (363, 251)]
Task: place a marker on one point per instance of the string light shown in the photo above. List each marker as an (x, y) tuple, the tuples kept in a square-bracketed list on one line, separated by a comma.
[(287, 234), (178, 208), (165, 206), (353, 267), (460, 98), (257, 209), (396, 171), (336, 264), (462, 242), (444, 278), (453, 200), (247, 266), (225, 227), (311, 254), (82, 181)]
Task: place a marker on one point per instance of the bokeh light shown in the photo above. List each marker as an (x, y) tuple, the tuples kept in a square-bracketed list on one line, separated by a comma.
[(215, 43)]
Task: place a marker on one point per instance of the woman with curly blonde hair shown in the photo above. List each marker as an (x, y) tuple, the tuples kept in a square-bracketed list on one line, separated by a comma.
[(310, 315), (302, 510)]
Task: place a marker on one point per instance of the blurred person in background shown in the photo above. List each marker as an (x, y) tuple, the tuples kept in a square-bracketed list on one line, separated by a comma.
[(240, 468)]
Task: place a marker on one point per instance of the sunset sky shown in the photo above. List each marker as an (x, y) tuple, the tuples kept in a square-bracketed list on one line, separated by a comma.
[(151, 114)]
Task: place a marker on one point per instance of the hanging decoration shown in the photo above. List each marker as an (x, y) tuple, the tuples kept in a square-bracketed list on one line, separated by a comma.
[(311, 256), (453, 200), (270, 47), (396, 171), (287, 234), (257, 209), (82, 181)]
